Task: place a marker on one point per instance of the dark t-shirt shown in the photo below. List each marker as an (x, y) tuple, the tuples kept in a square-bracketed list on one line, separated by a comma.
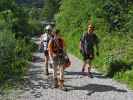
[(88, 41)]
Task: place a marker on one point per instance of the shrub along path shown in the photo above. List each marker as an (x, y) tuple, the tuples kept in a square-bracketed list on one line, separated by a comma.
[(37, 86)]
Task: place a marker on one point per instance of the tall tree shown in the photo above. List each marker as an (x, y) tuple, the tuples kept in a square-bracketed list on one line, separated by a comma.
[(50, 8)]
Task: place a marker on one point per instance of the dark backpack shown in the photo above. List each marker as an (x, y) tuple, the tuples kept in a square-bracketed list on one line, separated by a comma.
[(57, 46)]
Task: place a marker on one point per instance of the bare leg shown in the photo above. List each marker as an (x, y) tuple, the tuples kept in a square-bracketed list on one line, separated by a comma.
[(89, 67), (83, 67), (61, 70), (46, 64), (61, 81), (55, 69)]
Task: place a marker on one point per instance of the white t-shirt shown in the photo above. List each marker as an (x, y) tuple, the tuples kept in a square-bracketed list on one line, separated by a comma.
[(45, 39)]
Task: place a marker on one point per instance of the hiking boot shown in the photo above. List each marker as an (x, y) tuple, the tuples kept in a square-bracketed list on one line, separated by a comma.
[(46, 72), (90, 75), (46, 69), (64, 89), (55, 85), (83, 69), (61, 83)]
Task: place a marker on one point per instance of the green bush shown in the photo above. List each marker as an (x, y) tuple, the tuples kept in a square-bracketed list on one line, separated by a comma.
[(126, 77), (16, 47), (113, 26), (14, 55)]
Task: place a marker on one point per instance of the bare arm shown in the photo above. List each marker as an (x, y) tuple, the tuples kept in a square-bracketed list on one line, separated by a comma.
[(50, 49), (80, 45), (97, 49)]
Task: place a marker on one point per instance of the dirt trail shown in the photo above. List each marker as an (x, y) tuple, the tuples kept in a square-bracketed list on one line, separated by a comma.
[(37, 86)]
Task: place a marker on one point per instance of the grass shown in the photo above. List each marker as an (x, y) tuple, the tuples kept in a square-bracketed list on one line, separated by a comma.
[(125, 77), (115, 58)]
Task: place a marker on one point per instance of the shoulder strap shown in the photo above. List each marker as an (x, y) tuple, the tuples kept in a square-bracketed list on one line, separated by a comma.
[(57, 44)]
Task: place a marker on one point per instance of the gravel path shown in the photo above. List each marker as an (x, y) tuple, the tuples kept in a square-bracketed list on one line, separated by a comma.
[(37, 86)]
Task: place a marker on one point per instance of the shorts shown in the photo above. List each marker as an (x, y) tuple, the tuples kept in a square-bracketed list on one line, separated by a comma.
[(59, 59), (46, 52), (88, 56)]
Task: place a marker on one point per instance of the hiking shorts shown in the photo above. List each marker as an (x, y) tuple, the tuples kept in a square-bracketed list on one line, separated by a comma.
[(46, 52), (59, 60), (88, 56)]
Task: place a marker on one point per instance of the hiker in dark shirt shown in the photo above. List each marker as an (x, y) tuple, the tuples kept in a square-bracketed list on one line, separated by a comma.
[(87, 43)]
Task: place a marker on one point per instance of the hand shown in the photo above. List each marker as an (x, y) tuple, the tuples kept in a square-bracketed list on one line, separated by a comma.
[(80, 51), (97, 53)]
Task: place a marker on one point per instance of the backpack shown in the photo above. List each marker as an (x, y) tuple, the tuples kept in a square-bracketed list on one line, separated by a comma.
[(57, 46), (67, 61)]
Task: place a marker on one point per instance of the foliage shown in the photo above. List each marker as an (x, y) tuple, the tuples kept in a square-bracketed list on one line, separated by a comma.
[(113, 25), (14, 55), (50, 8), (16, 46)]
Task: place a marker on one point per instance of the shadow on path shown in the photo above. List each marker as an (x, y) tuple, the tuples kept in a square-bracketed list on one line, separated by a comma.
[(35, 80), (95, 74), (92, 88), (37, 59)]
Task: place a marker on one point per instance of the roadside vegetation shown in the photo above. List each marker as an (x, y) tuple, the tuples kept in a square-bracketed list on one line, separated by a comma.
[(113, 24)]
